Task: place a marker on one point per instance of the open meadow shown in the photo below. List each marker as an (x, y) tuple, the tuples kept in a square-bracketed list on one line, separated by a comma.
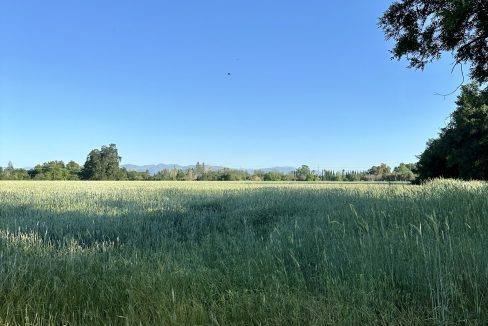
[(92, 253)]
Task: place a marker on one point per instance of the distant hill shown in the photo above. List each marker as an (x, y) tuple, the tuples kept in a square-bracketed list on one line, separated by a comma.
[(155, 168)]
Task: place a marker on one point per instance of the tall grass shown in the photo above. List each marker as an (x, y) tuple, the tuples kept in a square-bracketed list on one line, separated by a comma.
[(243, 253)]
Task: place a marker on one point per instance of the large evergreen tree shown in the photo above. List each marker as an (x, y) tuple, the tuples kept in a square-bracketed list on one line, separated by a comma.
[(461, 150)]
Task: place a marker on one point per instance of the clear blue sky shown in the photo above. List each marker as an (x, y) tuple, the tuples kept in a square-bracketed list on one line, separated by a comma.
[(311, 83)]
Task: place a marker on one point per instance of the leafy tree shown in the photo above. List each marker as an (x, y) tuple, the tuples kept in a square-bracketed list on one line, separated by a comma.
[(164, 174), (233, 175), (180, 175), (9, 170), (110, 161), (403, 172), (53, 170), (273, 176), (379, 170), (199, 171), (353, 176), (11, 173), (102, 164), (461, 150), (93, 168), (304, 173), (411, 166), (257, 175), (74, 170), (123, 174), (329, 175), (424, 29), (20, 174), (190, 175)]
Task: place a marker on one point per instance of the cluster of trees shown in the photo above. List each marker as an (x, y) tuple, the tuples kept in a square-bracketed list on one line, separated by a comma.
[(104, 164), (461, 149), (11, 173), (53, 170), (404, 172), (382, 172), (100, 164)]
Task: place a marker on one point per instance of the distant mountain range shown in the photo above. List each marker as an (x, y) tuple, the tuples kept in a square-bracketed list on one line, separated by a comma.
[(155, 168)]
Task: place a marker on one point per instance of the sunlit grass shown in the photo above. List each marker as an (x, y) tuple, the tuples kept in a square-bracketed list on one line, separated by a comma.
[(243, 252)]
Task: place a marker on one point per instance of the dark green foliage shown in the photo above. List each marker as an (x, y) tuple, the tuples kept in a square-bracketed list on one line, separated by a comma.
[(424, 29), (304, 173), (274, 176), (123, 174), (11, 173), (110, 161), (382, 172), (166, 175), (461, 150), (352, 176), (199, 171), (74, 170), (382, 169), (405, 171), (93, 170), (232, 175), (102, 164), (56, 170)]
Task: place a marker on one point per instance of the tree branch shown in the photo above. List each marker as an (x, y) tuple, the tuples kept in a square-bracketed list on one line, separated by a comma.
[(459, 86)]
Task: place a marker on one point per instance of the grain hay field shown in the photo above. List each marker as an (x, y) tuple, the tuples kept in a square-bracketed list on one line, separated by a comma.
[(199, 253)]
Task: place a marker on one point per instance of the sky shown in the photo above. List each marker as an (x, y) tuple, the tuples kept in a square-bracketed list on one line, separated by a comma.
[(241, 83)]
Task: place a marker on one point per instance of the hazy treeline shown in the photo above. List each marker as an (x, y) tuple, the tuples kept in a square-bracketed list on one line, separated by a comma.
[(303, 173), (104, 164)]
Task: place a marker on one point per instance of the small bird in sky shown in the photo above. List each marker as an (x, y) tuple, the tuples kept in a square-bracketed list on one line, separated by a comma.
[(228, 74)]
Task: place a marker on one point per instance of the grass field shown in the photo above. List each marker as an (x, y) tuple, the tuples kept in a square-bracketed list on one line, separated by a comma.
[(243, 253)]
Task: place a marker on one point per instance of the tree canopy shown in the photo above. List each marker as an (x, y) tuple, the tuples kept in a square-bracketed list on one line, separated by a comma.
[(102, 164), (424, 29), (56, 170), (461, 150)]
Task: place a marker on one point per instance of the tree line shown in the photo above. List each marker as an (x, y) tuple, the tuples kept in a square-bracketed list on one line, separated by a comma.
[(200, 173), (104, 164)]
